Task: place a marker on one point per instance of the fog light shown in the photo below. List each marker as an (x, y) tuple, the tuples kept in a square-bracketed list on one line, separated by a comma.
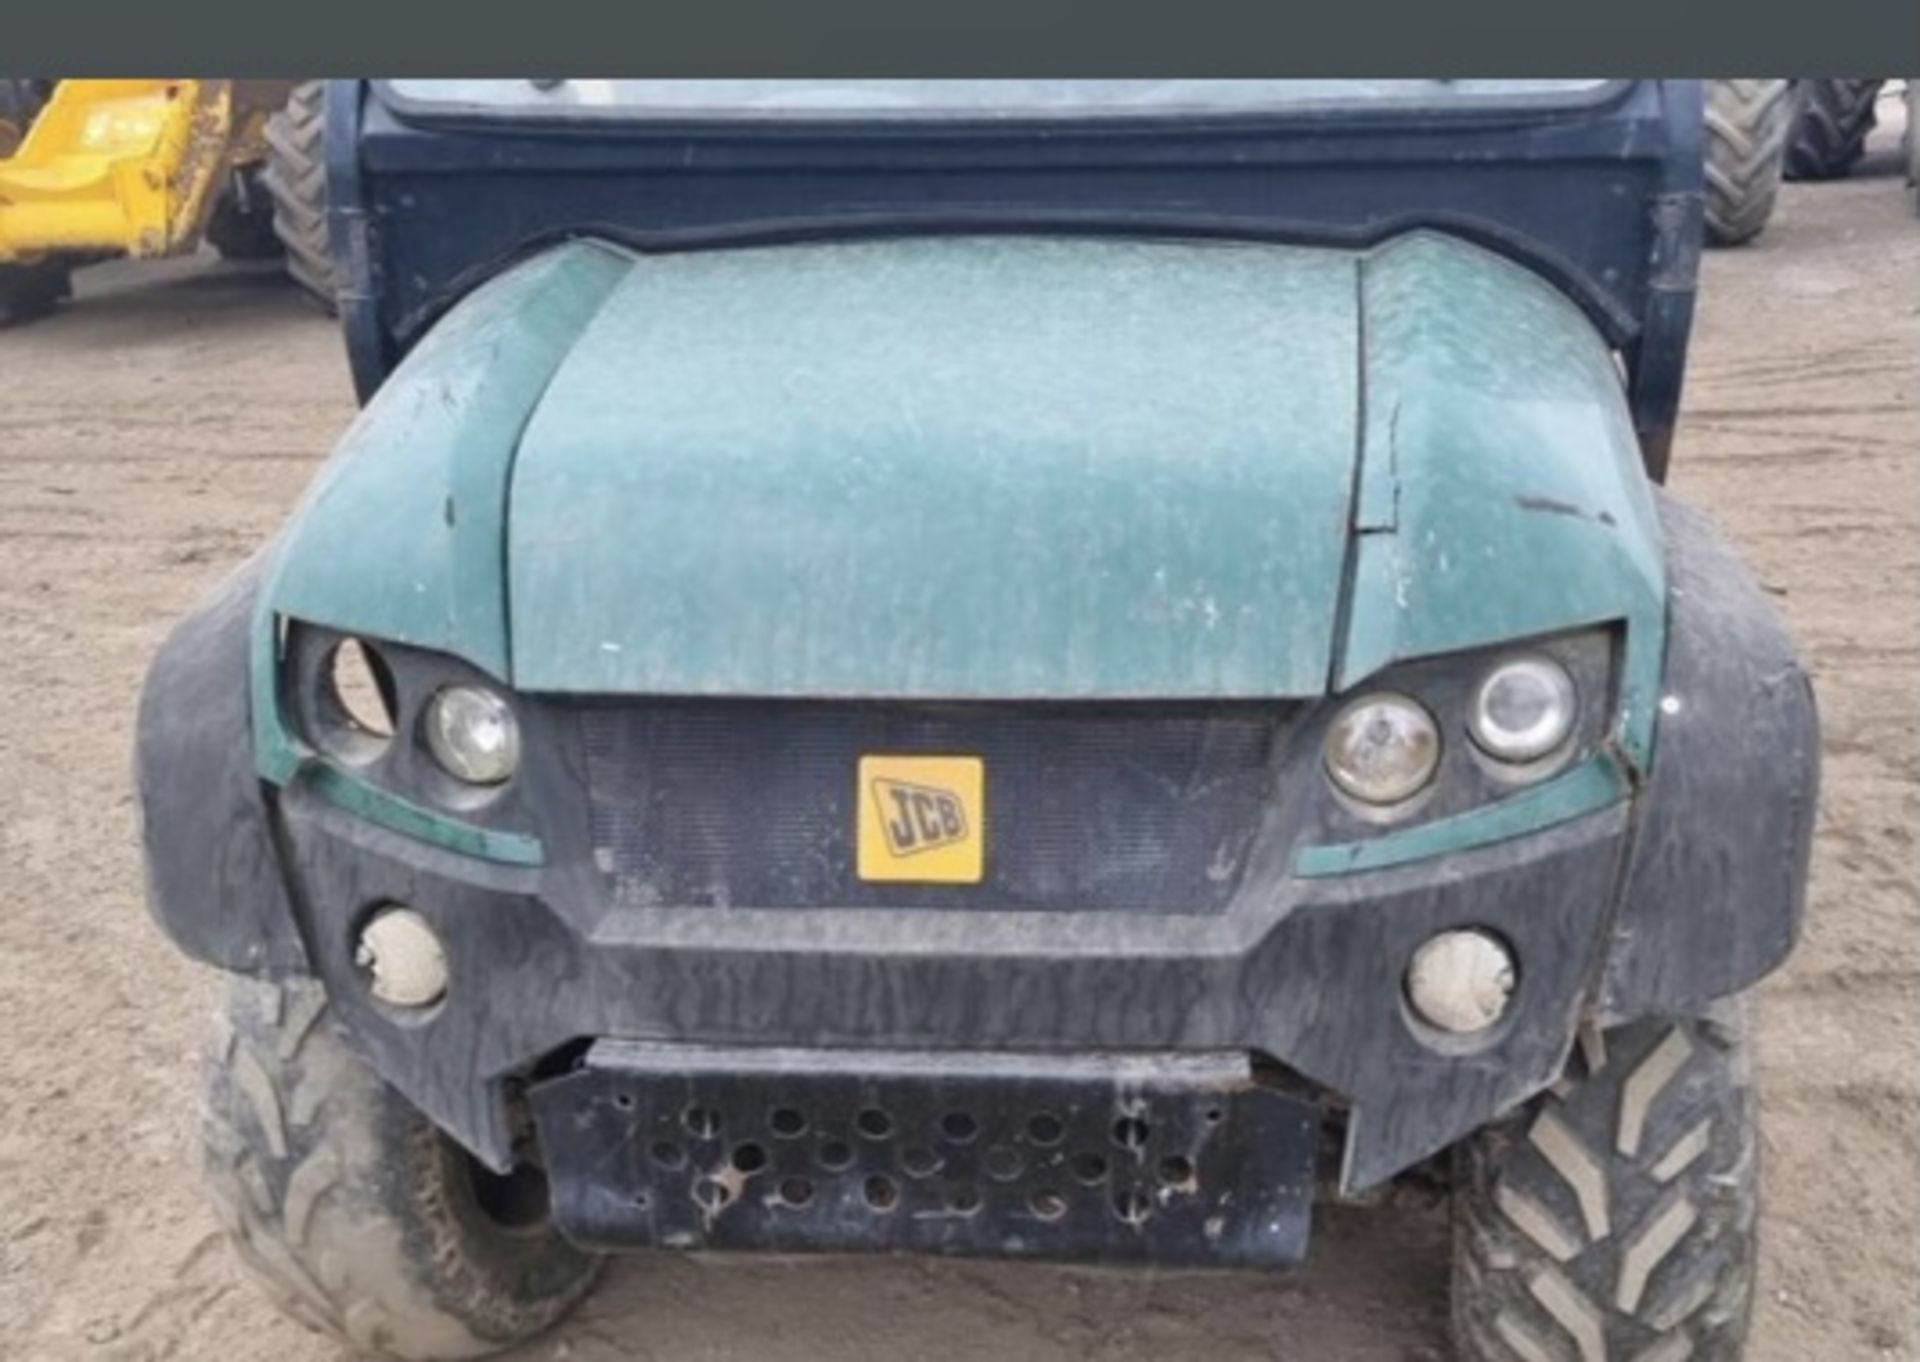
[(403, 958), (1461, 981)]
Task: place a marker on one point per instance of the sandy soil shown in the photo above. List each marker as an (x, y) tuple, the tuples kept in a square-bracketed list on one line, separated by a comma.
[(159, 429)]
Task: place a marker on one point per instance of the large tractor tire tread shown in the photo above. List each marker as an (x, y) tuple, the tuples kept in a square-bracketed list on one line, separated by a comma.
[(296, 177), (1830, 125), (1613, 1220), (1746, 137), (358, 1216)]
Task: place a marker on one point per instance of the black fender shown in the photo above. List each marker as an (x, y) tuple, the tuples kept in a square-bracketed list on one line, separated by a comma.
[(214, 878), (1716, 880)]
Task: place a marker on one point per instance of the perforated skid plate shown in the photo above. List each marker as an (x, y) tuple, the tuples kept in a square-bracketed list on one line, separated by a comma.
[(1123, 1159)]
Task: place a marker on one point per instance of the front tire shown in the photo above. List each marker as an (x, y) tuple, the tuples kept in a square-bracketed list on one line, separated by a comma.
[(1746, 135), (1830, 125), (1612, 1220), (296, 178), (357, 1214)]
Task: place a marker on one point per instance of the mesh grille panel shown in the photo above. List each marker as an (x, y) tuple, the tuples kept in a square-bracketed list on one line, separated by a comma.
[(752, 804)]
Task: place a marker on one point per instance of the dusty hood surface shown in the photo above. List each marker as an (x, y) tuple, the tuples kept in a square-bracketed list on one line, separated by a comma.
[(989, 467), (1011, 467)]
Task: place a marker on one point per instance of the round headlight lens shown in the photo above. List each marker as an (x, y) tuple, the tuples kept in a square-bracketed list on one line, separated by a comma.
[(473, 734), (1523, 710), (1383, 749)]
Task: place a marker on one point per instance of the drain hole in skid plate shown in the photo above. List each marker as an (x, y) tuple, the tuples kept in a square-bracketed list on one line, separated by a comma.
[(1089, 1168), (787, 1123), (1046, 1204), (1003, 1164), (836, 1156), (880, 1193), (1131, 1208), (796, 1192), (712, 1195), (963, 1201), (1176, 1169), (1044, 1128), (1130, 1132), (874, 1123)]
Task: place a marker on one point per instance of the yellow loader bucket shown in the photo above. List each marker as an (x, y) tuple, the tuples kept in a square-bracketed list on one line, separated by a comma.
[(123, 167)]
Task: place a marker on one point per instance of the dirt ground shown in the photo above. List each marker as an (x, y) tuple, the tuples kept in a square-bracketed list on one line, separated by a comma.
[(157, 430)]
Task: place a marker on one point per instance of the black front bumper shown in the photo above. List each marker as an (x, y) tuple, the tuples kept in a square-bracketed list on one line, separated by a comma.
[(1307, 973), (1137, 1159)]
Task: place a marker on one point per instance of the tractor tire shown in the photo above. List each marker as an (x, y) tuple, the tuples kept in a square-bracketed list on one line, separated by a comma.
[(362, 1220), (296, 177), (1747, 122), (1830, 125), (29, 291), (241, 226), (1612, 1221)]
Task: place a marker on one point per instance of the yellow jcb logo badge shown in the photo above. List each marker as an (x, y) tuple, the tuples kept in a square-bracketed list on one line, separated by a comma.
[(918, 818), (922, 819)]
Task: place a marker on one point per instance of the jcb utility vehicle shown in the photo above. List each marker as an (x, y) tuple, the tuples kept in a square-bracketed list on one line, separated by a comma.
[(977, 668)]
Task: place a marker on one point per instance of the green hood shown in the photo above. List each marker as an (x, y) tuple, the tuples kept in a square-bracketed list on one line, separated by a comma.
[(1008, 467), (1013, 467)]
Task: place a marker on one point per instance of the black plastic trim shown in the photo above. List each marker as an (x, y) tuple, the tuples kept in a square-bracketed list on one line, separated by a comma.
[(1717, 882), (214, 880)]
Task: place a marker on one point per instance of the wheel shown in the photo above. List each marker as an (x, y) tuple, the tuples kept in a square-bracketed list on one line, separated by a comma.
[(1612, 1220), (1830, 125), (296, 177), (358, 1215), (241, 224), (1746, 135), (29, 291)]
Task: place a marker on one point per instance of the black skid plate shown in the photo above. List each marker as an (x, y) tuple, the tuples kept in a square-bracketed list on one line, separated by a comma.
[(1100, 1158)]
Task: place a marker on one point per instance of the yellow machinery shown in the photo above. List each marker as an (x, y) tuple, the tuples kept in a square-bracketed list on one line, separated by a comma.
[(141, 168)]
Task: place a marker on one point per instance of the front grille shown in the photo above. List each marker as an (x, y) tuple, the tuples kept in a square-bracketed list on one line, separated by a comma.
[(751, 804)]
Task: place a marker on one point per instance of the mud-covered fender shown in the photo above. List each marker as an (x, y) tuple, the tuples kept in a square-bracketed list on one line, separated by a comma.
[(213, 869), (1717, 875)]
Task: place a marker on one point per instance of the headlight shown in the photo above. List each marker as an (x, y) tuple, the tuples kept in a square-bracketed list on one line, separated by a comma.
[(361, 687), (473, 734), (1523, 709), (1382, 749)]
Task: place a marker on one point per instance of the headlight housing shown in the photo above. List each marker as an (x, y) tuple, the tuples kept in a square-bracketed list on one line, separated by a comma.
[(473, 734), (1524, 709), (1382, 749)]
